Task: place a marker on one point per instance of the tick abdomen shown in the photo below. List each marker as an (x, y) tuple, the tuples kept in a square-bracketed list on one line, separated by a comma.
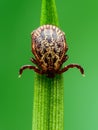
[(48, 45)]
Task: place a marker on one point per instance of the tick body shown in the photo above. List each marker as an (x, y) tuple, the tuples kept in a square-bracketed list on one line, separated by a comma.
[(49, 48)]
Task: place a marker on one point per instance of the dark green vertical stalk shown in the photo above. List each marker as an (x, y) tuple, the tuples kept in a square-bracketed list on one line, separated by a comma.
[(48, 109)]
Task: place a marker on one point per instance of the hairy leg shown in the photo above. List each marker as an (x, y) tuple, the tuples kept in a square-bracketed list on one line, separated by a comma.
[(29, 67), (33, 61), (71, 66), (65, 58)]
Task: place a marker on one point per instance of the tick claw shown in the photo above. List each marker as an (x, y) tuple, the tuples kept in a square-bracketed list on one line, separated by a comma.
[(83, 75), (19, 76)]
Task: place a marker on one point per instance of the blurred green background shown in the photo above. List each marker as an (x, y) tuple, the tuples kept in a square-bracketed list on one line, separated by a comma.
[(79, 20)]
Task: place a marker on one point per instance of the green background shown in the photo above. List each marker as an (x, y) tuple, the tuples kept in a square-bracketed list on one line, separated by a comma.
[(79, 20)]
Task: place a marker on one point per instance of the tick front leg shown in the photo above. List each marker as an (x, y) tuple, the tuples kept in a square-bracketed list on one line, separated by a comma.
[(65, 58), (29, 67), (33, 61), (71, 66)]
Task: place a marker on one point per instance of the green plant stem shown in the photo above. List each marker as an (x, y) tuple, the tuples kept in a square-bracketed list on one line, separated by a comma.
[(48, 107), (49, 13)]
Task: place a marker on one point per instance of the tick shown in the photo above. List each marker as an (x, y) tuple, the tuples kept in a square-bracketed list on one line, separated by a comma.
[(49, 48)]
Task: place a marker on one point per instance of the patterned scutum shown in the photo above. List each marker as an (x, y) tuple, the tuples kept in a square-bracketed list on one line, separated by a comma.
[(49, 46)]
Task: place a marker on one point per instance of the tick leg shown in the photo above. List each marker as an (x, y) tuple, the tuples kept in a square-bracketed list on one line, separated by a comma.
[(33, 60), (71, 66), (65, 58), (29, 67)]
